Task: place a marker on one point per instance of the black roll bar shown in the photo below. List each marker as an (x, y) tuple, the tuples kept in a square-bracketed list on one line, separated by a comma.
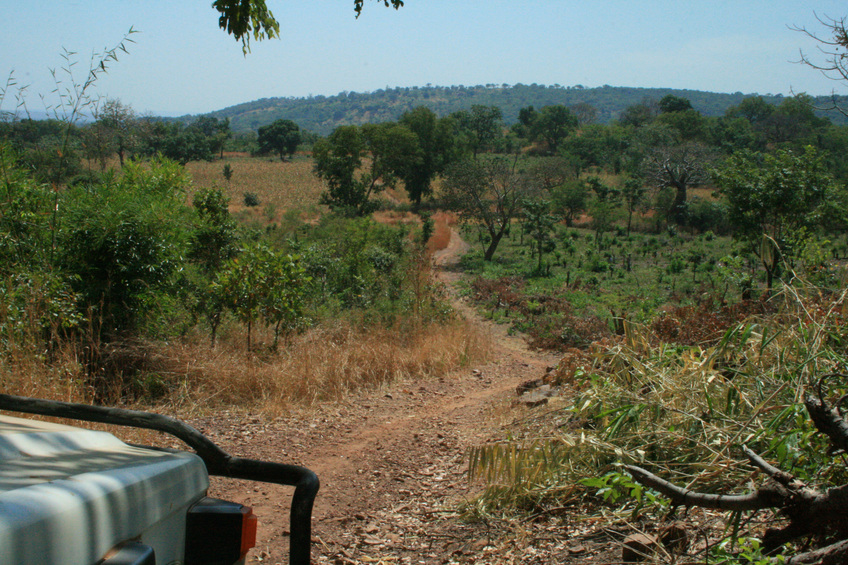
[(218, 462)]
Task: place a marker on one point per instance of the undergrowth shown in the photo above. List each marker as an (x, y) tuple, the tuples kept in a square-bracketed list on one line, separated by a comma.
[(681, 408)]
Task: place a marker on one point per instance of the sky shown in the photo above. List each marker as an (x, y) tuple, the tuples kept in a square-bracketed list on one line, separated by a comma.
[(182, 63)]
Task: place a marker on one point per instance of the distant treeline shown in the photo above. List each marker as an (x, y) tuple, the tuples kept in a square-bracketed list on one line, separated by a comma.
[(323, 114)]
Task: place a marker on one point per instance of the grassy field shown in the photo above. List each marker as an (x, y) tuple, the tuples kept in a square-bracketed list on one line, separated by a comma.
[(279, 186)]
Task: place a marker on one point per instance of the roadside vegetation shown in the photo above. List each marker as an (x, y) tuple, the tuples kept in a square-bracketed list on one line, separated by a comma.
[(690, 269)]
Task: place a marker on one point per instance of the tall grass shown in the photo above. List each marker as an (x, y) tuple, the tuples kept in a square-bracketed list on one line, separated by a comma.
[(324, 364), (327, 363)]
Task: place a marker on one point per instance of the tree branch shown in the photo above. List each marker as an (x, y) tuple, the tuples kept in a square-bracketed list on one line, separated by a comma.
[(763, 498)]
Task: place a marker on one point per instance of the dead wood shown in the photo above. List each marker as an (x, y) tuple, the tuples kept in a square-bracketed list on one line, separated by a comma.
[(811, 513)]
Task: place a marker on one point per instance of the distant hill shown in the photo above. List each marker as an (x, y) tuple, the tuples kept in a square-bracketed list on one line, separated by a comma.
[(322, 114)]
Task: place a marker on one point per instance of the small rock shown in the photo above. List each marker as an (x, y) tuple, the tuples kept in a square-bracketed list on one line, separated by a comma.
[(528, 385), (638, 547)]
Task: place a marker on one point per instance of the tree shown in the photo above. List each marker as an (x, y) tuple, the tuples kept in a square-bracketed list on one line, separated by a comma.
[(283, 302), (358, 162), (281, 137), (774, 201), (552, 124), (486, 192), (119, 121), (678, 167), (602, 208), (793, 122), (261, 283), (690, 124), (337, 160), (671, 103), (216, 131), (639, 114), (550, 172), (213, 242), (633, 192), (121, 241), (754, 109), (178, 142), (539, 224), (437, 148), (240, 285), (215, 235), (835, 65), (569, 199), (481, 126), (585, 113), (243, 18)]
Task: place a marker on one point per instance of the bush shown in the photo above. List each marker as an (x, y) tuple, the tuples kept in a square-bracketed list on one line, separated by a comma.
[(122, 240), (706, 215), (251, 199)]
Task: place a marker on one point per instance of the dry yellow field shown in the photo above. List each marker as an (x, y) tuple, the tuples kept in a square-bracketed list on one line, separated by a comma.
[(280, 186)]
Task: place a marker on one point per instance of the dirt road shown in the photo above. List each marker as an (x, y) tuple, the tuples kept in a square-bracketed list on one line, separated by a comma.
[(391, 461)]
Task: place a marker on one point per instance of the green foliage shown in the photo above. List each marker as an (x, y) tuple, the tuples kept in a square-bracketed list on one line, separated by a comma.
[(281, 137), (437, 148), (121, 241), (774, 199), (569, 199), (486, 192), (603, 208), (27, 222), (354, 262), (243, 18), (250, 199), (480, 126), (36, 308), (214, 237), (323, 114), (538, 223), (261, 283), (671, 103), (337, 160), (358, 162), (550, 125), (198, 141)]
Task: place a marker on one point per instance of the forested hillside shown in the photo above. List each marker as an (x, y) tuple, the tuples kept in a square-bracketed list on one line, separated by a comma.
[(322, 114)]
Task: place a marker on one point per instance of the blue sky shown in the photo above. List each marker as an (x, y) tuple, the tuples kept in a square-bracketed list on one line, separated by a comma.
[(182, 63)]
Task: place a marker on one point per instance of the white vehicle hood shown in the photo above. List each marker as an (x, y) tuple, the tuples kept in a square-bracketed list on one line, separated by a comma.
[(68, 495)]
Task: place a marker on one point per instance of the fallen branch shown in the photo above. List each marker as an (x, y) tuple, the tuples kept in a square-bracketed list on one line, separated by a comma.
[(810, 511)]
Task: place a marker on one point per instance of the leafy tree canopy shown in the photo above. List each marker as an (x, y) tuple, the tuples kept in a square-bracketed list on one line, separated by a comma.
[(245, 18), (671, 103), (773, 200), (281, 137)]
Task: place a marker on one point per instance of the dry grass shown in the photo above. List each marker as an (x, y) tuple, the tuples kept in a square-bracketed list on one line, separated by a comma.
[(59, 376), (280, 186), (442, 224), (324, 364), (683, 412)]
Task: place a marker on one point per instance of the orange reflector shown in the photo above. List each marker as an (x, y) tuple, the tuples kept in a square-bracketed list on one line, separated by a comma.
[(249, 524)]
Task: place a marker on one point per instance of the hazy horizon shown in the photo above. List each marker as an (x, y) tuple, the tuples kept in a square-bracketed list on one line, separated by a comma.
[(182, 63)]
